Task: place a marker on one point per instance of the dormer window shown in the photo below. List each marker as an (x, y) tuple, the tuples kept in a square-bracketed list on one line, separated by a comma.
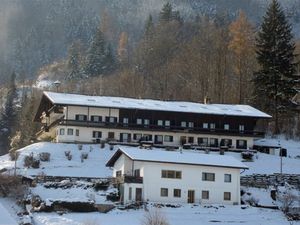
[(159, 123), (139, 121), (191, 124), (205, 125), (96, 119), (212, 126), (183, 124), (81, 117)]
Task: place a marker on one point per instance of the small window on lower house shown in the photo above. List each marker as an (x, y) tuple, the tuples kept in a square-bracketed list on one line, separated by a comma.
[(208, 176), (70, 131), (205, 125), (242, 144), (61, 131), (139, 121), (227, 196), (164, 192), (137, 137), (77, 132), (167, 123), (212, 126), (177, 193), (227, 178), (146, 122), (191, 140), (191, 124), (205, 195), (159, 123), (183, 124)]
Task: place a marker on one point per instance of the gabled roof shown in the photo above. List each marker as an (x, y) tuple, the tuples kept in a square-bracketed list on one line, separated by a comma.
[(158, 105), (188, 158)]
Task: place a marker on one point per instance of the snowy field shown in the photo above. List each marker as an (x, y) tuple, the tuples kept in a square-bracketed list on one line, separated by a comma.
[(189, 215), (94, 165)]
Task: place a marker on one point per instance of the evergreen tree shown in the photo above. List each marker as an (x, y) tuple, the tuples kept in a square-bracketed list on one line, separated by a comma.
[(167, 14), (8, 116), (149, 27), (100, 57), (275, 81), (96, 55), (75, 61)]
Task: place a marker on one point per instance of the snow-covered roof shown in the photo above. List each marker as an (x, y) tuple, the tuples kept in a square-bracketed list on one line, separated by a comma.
[(177, 157), (149, 104)]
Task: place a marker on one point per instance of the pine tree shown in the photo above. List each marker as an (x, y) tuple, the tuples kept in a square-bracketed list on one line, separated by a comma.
[(275, 81), (149, 28), (167, 14), (8, 116), (75, 61), (96, 55)]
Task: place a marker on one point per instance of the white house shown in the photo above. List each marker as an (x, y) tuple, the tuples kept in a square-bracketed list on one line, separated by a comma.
[(176, 177), (82, 118)]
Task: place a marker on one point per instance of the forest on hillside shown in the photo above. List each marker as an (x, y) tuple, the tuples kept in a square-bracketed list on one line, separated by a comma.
[(176, 50)]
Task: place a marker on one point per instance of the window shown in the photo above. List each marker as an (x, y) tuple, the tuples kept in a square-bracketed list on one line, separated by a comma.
[(61, 131), (125, 121), (177, 193), (146, 122), (159, 123), (147, 137), (111, 119), (77, 132), (191, 140), (80, 117), (96, 119), (226, 142), (164, 192), (70, 131), (139, 121), (168, 138), (213, 142), (226, 126), (227, 178), (205, 195), (167, 123), (158, 139), (97, 134), (119, 173), (137, 137), (137, 173), (203, 141), (212, 126), (205, 125), (130, 194), (111, 135), (183, 124), (125, 137), (171, 174), (208, 176), (242, 144), (191, 124), (227, 196), (241, 128)]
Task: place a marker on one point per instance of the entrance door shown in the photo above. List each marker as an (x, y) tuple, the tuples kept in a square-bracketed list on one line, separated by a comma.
[(191, 196), (138, 194)]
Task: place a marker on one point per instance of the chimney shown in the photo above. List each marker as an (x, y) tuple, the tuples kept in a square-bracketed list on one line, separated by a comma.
[(206, 100)]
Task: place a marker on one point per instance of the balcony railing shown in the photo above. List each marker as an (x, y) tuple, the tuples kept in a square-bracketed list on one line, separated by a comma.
[(151, 127), (129, 179)]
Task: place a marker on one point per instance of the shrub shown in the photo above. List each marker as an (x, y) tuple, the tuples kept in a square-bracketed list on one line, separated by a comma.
[(80, 147), (28, 159), (102, 144), (154, 217), (84, 155), (12, 186), (44, 156)]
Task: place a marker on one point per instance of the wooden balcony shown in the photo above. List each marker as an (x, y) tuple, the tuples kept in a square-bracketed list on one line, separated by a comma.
[(129, 179), (151, 127)]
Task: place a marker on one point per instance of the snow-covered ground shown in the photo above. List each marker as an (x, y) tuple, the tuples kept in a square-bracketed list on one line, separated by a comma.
[(94, 166), (187, 214), (8, 212)]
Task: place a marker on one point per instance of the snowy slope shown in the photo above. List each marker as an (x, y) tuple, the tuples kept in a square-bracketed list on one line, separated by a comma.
[(5, 217), (94, 166)]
